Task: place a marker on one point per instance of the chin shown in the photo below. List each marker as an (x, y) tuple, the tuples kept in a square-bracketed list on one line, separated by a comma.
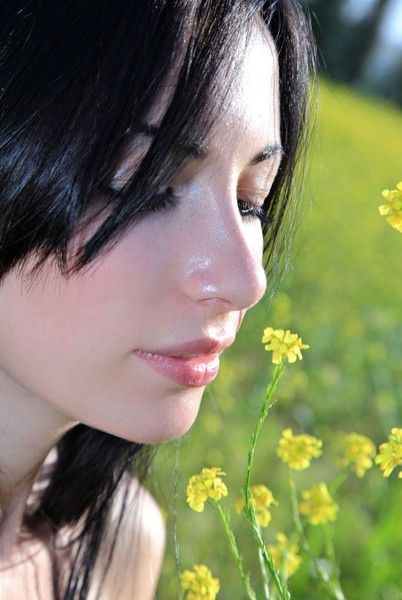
[(165, 420)]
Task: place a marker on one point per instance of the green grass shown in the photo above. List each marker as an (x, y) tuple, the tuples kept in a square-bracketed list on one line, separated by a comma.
[(343, 294)]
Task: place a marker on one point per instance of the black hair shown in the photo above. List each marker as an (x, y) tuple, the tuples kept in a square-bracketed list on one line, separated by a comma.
[(77, 80)]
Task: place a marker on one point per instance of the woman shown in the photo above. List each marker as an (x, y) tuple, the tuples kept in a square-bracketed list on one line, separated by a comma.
[(146, 150)]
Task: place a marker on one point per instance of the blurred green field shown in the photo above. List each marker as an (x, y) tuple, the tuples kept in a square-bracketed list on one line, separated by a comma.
[(343, 294)]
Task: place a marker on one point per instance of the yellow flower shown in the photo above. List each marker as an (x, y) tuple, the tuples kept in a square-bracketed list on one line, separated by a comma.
[(285, 555), (390, 455), (298, 450), (206, 484), (283, 344), (393, 210), (318, 505), (261, 499), (199, 584), (358, 450)]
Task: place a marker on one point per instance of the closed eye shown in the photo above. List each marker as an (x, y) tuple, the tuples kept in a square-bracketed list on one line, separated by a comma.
[(248, 210), (163, 200), (252, 204)]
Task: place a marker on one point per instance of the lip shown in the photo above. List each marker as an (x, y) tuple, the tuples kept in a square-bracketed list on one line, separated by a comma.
[(191, 364)]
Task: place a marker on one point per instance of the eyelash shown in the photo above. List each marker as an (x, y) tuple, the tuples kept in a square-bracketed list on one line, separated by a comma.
[(168, 199), (252, 211)]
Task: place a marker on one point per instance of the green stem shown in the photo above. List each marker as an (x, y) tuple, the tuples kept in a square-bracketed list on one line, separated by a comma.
[(176, 470), (264, 575), (267, 564), (296, 513), (332, 586), (329, 544), (235, 552), (268, 403), (267, 560), (338, 481)]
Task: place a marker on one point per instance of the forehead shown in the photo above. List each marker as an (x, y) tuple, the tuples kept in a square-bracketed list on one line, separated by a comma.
[(253, 96), (252, 111)]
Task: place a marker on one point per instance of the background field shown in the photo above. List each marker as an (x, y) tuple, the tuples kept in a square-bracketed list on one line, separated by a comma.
[(343, 293)]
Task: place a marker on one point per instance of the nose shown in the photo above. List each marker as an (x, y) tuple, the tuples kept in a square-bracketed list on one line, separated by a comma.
[(224, 266)]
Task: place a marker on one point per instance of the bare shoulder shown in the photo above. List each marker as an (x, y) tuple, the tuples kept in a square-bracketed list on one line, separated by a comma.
[(140, 545)]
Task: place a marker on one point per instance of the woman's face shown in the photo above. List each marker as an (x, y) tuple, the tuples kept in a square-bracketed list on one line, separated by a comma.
[(103, 348)]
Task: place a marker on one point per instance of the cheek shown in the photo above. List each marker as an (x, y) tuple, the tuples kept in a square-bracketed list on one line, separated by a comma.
[(56, 333)]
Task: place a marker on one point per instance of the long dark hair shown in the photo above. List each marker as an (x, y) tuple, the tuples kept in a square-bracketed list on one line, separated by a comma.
[(77, 78)]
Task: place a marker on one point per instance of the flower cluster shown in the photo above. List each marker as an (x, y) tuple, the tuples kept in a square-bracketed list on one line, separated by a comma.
[(390, 455), (285, 555), (261, 499), (318, 505), (206, 484), (298, 450), (358, 450), (393, 209), (283, 344), (199, 584), (282, 558)]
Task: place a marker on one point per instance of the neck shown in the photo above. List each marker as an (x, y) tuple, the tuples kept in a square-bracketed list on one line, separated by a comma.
[(13, 504), (29, 428)]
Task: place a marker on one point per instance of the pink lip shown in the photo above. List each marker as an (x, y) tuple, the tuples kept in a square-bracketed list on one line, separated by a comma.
[(192, 364)]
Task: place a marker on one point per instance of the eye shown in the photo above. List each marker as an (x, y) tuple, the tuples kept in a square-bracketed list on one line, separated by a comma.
[(162, 200), (249, 211)]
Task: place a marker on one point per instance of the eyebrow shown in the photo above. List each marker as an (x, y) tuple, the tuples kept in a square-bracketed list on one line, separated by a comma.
[(197, 151)]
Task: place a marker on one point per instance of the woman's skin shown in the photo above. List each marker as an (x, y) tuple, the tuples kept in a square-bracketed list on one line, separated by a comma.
[(180, 274)]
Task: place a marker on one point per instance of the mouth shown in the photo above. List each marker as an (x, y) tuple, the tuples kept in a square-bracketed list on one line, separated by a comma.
[(192, 364)]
